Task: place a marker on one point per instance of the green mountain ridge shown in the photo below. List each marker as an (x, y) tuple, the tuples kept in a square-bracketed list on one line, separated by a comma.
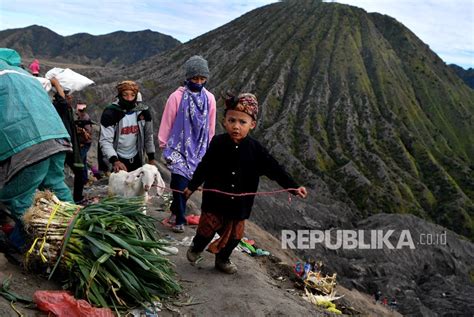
[(117, 48), (352, 98)]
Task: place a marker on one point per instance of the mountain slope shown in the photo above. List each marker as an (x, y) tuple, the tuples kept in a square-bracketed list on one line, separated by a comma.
[(117, 47), (369, 118), (351, 100)]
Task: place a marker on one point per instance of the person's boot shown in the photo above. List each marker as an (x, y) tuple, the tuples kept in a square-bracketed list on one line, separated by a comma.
[(193, 257), (225, 266), (178, 228)]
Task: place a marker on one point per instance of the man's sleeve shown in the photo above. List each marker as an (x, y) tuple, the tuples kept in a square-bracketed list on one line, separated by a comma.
[(149, 143)]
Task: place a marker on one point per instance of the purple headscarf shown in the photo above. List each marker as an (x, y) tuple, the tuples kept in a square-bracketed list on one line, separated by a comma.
[(189, 138)]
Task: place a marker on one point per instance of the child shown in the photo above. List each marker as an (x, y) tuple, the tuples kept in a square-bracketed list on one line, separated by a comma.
[(63, 103), (233, 163), (186, 128), (84, 133)]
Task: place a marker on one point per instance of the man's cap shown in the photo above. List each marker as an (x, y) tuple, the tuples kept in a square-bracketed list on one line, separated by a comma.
[(127, 85)]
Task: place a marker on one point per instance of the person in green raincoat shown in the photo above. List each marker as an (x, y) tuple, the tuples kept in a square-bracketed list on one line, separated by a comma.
[(33, 143)]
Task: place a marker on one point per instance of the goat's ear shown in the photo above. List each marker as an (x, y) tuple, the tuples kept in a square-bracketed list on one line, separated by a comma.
[(160, 189), (138, 172)]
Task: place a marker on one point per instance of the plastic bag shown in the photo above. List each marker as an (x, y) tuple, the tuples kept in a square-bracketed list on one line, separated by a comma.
[(45, 83), (69, 79), (299, 268), (63, 304), (193, 219)]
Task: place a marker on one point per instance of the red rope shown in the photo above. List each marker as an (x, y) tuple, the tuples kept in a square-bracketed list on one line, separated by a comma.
[(233, 194), (236, 194)]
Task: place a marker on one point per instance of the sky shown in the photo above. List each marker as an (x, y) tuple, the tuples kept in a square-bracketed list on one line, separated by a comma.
[(447, 26)]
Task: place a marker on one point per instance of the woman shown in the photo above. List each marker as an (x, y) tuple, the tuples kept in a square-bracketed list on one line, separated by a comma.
[(187, 126)]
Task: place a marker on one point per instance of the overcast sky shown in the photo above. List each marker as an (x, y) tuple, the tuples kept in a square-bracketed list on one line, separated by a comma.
[(447, 26)]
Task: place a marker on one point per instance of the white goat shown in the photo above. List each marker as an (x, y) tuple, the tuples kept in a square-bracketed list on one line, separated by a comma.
[(136, 183)]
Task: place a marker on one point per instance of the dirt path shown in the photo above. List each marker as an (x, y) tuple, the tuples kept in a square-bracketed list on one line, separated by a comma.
[(24, 284), (249, 292), (263, 286)]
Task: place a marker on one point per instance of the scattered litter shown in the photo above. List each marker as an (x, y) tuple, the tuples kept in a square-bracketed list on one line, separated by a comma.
[(251, 242), (243, 249), (249, 247), (299, 269), (168, 250), (319, 289), (198, 260), (246, 245), (302, 269), (262, 252), (169, 221), (150, 311), (323, 284), (324, 301), (61, 303), (193, 219), (170, 238), (186, 241)]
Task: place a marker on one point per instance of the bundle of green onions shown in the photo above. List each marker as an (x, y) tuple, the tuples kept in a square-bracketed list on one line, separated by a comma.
[(110, 250)]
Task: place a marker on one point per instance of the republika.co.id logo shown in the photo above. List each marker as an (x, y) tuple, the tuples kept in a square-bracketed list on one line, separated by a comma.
[(357, 239)]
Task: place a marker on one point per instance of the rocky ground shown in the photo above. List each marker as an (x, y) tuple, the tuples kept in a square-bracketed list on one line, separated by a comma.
[(263, 286), (433, 279)]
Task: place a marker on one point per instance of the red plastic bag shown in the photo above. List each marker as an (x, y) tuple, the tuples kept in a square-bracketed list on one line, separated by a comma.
[(7, 228), (193, 219), (63, 304)]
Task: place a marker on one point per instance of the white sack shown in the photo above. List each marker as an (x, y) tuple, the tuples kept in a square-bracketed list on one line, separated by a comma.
[(69, 79)]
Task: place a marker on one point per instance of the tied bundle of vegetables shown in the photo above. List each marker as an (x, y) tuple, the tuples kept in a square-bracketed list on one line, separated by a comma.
[(110, 250)]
